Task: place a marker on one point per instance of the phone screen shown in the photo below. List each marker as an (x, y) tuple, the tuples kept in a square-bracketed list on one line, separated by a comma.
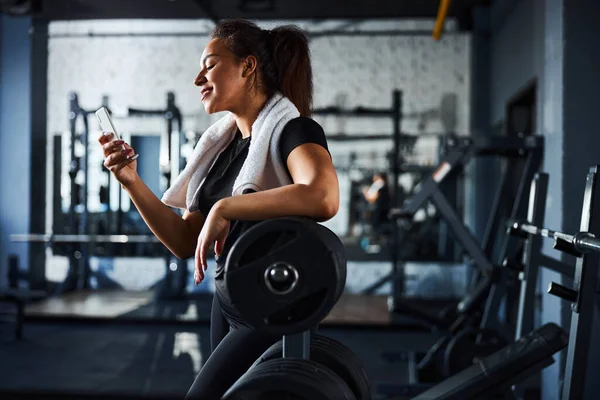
[(106, 123)]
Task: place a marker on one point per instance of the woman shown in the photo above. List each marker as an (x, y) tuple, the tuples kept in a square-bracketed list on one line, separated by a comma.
[(264, 79)]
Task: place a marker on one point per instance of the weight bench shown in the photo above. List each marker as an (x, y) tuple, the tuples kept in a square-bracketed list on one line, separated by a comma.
[(495, 374)]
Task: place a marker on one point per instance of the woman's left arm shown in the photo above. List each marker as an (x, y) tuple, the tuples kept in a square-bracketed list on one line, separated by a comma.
[(313, 194)]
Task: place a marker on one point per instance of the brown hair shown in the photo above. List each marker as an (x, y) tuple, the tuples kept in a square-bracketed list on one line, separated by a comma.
[(283, 58)]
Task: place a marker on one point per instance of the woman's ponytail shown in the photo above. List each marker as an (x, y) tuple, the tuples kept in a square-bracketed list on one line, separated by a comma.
[(291, 61), (283, 57)]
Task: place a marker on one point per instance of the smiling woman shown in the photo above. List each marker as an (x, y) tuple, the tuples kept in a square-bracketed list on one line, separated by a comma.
[(275, 60), (266, 158)]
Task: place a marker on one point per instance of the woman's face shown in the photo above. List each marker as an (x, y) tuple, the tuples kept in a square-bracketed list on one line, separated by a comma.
[(222, 78)]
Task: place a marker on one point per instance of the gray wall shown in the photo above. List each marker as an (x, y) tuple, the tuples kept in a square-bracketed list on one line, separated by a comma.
[(519, 55), (551, 112), (15, 142), (516, 54)]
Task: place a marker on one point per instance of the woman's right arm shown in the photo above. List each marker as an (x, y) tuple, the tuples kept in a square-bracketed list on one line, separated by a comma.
[(178, 234)]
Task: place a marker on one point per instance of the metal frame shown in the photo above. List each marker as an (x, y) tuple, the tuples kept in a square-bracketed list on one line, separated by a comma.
[(172, 114), (532, 262), (492, 288), (532, 257), (78, 252), (460, 152), (396, 114), (174, 283), (583, 293), (583, 308), (297, 345), (71, 231), (39, 139)]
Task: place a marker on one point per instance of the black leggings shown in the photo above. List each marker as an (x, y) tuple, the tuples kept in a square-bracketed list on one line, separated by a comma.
[(233, 351)]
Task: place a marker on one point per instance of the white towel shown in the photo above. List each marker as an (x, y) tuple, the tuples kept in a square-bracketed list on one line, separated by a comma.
[(263, 169)]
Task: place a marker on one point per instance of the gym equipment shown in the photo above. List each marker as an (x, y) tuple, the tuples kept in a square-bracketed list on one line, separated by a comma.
[(402, 144), (459, 152), (300, 375), (289, 378), (494, 247), (575, 245), (172, 115), (282, 255), (335, 356), (493, 376), (466, 346), (77, 219), (80, 234), (174, 283), (395, 113), (504, 373), (50, 239), (477, 316), (298, 269), (583, 294)]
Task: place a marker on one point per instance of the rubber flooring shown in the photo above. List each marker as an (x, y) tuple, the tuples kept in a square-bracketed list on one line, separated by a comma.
[(77, 360)]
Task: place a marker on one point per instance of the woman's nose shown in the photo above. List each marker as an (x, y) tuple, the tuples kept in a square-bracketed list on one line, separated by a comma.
[(200, 79)]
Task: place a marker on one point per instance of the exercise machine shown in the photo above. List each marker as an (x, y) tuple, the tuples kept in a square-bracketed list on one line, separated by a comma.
[(474, 326), (582, 295)]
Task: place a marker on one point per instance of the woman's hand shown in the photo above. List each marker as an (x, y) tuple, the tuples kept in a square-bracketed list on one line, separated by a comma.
[(214, 230), (119, 158)]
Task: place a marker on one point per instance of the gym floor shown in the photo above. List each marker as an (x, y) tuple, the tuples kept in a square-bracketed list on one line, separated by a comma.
[(69, 357)]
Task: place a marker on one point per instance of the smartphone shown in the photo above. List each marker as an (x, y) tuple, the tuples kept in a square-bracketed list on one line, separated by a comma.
[(107, 125)]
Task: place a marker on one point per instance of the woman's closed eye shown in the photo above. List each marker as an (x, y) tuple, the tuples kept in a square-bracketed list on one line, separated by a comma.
[(209, 67)]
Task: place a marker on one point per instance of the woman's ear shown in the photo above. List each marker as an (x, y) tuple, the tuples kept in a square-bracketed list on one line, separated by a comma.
[(250, 64)]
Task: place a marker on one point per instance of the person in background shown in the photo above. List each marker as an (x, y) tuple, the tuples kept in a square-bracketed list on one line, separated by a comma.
[(377, 198)]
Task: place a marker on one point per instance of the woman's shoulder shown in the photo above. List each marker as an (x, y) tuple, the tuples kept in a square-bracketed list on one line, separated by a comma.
[(303, 124), (298, 131)]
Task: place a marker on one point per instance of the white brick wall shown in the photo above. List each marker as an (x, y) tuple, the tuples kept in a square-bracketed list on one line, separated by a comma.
[(350, 71)]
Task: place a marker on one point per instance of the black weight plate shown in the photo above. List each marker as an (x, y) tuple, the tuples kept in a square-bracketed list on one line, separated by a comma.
[(294, 243), (335, 356), (289, 378), (297, 242), (337, 254), (464, 348)]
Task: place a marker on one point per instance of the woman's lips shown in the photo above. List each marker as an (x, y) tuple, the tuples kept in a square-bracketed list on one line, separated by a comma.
[(205, 93)]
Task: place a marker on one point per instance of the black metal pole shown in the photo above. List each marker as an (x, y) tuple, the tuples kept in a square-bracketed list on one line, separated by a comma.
[(170, 114), (397, 274), (72, 278), (84, 221), (581, 242)]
